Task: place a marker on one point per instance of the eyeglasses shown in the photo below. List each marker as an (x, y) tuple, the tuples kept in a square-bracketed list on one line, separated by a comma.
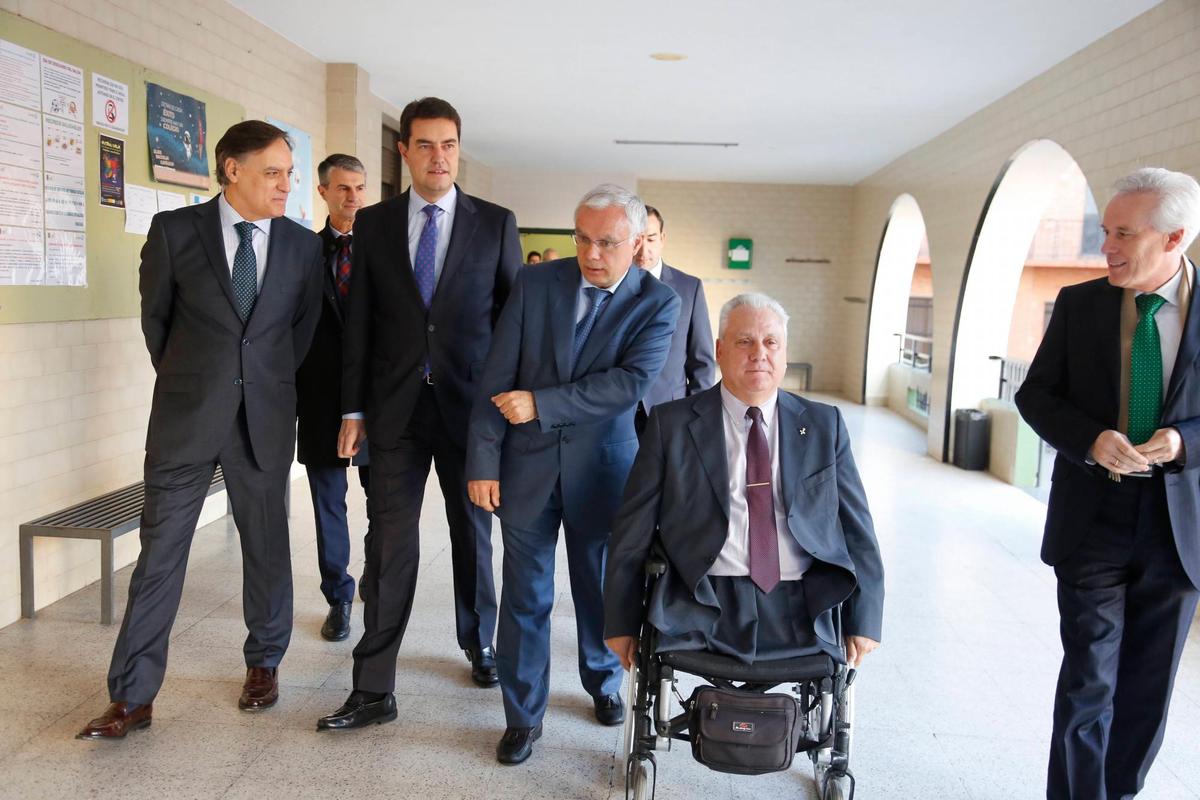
[(583, 242)]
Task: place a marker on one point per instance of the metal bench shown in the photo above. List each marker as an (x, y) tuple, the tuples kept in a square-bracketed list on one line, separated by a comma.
[(103, 519)]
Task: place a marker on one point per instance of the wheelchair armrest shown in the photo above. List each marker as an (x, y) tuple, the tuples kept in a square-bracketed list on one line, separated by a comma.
[(656, 562)]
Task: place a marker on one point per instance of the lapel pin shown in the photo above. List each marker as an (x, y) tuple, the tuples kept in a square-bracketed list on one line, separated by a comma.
[(803, 431)]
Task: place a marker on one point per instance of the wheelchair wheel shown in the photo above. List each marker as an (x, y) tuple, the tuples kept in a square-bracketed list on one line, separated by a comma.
[(638, 784), (837, 788), (631, 715)]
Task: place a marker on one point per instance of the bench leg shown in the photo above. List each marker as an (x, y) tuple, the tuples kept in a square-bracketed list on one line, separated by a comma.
[(26, 548), (106, 581)]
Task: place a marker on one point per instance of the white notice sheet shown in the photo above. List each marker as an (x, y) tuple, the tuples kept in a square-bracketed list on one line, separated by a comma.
[(66, 258), (20, 196), (63, 146), (62, 89), (141, 204), (19, 75), (22, 256), (64, 202), (20, 136)]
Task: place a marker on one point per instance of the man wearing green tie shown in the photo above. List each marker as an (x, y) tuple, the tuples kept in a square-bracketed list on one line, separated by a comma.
[(1115, 389)]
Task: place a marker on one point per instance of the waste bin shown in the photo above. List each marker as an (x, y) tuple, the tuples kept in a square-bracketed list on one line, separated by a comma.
[(972, 437)]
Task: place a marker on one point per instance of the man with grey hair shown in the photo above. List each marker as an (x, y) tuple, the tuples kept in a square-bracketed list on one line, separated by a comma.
[(754, 496), (342, 185), (1115, 389), (551, 442)]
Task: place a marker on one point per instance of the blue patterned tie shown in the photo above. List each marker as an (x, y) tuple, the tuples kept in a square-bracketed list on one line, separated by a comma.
[(598, 298), (245, 270), (423, 264)]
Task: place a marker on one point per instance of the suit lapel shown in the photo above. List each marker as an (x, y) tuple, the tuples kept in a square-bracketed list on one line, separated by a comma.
[(208, 227), (1189, 344), (562, 315), (623, 300), (708, 436), (465, 223), (792, 450), (331, 246), (278, 257), (397, 248)]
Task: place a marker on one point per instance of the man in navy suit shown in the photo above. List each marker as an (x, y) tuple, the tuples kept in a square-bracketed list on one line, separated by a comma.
[(552, 439), (1115, 389), (432, 269), (342, 185), (231, 294), (690, 363), (762, 543)]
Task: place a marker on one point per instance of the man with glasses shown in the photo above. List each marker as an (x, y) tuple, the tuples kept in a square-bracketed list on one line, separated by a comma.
[(552, 440)]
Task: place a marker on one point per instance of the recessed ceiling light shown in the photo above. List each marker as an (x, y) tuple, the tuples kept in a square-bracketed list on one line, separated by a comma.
[(674, 144), (668, 56)]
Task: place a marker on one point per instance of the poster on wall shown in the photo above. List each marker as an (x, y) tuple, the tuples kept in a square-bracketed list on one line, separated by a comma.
[(66, 258), (20, 136), (110, 104), (176, 130), (62, 89), (22, 256), (300, 198), (62, 143), (20, 196), (112, 172), (19, 75), (65, 202)]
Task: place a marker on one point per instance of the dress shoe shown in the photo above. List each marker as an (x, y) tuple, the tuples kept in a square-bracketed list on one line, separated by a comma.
[(359, 711), (610, 709), (483, 666), (116, 721), (261, 689), (337, 622), (517, 744)]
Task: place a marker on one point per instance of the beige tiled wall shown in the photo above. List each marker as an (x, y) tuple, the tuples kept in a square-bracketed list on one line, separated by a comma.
[(785, 222), (1130, 99)]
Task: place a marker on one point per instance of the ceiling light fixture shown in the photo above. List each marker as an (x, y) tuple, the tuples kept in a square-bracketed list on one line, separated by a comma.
[(675, 144), (668, 56)]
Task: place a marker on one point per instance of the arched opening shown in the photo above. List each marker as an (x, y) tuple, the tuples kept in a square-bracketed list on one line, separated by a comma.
[(1038, 231), (899, 351)]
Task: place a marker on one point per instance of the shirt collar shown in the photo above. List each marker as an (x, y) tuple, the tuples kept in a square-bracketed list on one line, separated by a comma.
[(445, 203), (1169, 291), (736, 409), (334, 232), (656, 270), (585, 283), (230, 217)]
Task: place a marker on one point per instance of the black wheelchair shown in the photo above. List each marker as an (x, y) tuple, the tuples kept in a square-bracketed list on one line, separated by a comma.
[(822, 688)]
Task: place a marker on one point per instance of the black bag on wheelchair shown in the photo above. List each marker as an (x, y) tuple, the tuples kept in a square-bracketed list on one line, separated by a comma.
[(742, 732)]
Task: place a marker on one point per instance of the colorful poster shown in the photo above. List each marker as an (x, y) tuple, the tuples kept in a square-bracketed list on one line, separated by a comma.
[(62, 89), (20, 196), (110, 104), (300, 198), (66, 258), (65, 197), (20, 136), (112, 172), (176, 129), (62, 149), (19, 75), (22, 256)]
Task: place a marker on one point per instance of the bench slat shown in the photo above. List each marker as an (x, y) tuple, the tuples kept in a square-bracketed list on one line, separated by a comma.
[(109, 510)]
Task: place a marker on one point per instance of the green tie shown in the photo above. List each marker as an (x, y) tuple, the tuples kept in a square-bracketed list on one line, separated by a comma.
[(1145, 372)]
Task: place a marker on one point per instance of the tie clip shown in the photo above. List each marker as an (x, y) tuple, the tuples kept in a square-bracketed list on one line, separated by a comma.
[(764, 483)]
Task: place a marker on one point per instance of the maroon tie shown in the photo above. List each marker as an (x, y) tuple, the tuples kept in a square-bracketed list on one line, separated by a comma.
[(760, 503), (343, 266)]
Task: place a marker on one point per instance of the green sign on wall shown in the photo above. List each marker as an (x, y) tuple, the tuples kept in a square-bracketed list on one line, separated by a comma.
[(740, 251)]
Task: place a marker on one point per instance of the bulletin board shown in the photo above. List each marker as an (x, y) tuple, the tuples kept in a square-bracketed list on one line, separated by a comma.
[(112, 254)]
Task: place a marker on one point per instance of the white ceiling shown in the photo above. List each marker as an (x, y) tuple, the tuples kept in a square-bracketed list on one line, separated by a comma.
[(814, 91)]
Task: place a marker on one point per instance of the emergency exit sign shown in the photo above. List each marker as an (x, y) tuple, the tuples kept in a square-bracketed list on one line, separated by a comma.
[(740, 251)]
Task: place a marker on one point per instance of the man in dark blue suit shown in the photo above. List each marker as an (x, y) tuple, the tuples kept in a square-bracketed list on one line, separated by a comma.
[(1115, 389), (552, 440), (342, 185), (690, 366)]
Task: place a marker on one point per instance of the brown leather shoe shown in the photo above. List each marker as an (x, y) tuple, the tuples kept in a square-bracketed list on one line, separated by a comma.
[(261, 689), (116, 721)]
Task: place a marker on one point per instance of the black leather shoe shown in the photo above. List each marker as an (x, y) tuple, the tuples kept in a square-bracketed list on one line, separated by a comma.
[(337, 622), (483, 666), (610, 709), (358, 712), (517, 744)]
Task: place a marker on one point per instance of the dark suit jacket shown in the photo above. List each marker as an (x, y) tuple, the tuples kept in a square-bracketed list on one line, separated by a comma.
[(209, 363), (679, 488), (584, 433), (389, 334), (1071, 396), (691, 365), (319, 379)]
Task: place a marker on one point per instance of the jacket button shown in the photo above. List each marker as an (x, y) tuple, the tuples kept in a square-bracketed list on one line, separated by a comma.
[(237, 381), (432, 328), (245, 342)]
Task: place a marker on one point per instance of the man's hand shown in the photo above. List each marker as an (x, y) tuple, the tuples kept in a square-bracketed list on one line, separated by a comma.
[(516, 406), (625, 647), (1113, 451), (350, 437), (1165, 445), (857, 647), (485, 494)]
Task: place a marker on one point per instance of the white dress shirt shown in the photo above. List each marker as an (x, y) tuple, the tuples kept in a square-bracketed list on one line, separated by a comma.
[(259, 240), (1170, 322), (583, 302), (656, 270), (445, 224), (734, 558)]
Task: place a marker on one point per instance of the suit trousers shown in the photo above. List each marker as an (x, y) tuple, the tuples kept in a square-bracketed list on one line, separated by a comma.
[(527, 598), (389, 581), (328, 485), (175, 495), (1125, 606)]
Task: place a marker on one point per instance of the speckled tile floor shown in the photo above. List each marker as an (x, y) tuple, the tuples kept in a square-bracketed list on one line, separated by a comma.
[(956, 704)]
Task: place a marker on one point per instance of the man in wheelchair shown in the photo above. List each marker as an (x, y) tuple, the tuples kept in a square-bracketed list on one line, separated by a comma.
[(772, 570)]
